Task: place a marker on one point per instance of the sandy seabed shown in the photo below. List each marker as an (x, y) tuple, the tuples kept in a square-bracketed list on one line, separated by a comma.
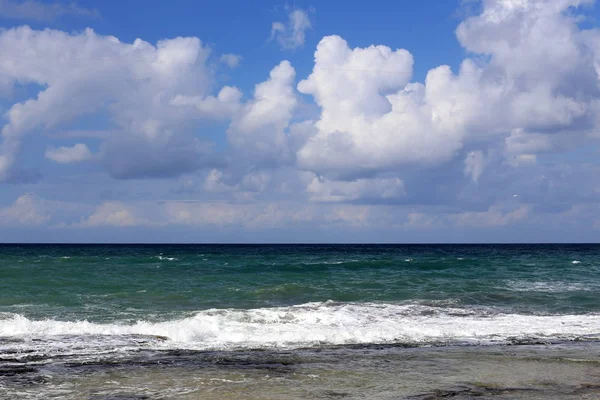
[(569, 370)]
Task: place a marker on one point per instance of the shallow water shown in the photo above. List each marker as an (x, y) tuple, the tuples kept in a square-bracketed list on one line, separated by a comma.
[(542, 371)]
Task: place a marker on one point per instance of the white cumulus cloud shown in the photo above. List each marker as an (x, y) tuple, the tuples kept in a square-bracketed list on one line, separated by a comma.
[(84, 73), (258, 129), (520, 115), (532, 80)]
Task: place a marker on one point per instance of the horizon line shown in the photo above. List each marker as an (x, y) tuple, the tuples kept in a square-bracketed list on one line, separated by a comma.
[(296, 243)]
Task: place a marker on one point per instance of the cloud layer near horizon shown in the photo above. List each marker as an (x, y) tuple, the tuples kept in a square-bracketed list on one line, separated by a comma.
[(502, 140)]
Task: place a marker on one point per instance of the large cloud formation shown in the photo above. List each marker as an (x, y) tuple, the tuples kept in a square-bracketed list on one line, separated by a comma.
[(85, 74), (532, 79), (465, 144), (153, 96)]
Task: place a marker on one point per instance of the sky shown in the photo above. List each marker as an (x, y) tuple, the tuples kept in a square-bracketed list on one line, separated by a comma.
[(270, 121)]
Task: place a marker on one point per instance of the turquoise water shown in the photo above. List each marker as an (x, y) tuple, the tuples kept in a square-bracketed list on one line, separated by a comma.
[(128, 283), (298, 321)]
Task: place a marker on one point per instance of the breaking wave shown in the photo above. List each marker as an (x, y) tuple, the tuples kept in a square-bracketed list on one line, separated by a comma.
[(307, 325)]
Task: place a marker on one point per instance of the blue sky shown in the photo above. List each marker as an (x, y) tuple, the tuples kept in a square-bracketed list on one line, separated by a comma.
[(380, 121)]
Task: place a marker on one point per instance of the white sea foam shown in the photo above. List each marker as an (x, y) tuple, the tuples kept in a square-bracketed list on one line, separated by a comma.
[(549, 287), (328, 262), (166, 258), (315, 324)]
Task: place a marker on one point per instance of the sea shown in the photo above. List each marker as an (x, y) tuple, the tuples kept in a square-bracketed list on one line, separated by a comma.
[(300, 321)]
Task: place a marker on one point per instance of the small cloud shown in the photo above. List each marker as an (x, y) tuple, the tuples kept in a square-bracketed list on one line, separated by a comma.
[(67, 155), (474, 165), (231, 60), (28, 209), (39, 11), (290, 36), (113, 214)]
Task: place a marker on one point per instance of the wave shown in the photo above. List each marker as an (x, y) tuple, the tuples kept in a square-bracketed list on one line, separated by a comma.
[(549, 287), (315, 324)]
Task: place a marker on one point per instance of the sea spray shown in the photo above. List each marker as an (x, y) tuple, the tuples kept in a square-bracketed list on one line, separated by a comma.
[(317, 324)]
